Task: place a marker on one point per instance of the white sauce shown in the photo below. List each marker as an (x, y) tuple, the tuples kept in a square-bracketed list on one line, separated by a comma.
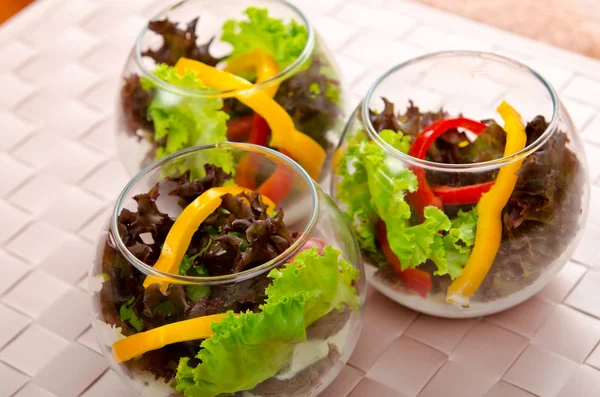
[(309, 352), (305, 354)]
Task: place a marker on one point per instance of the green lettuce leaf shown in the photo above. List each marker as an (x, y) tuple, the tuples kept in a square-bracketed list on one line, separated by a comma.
[(327, 280), (261, 32), (187, 268), (127, 314), (186, 121), (186, 264), (459, 241), (353, 193), (353, 188), (197, 292), (389, 181), (249, 348), (415, 244), (373, 186), (245, 350)]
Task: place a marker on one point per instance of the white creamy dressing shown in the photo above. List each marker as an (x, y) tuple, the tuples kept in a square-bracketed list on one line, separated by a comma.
[(309, 352)]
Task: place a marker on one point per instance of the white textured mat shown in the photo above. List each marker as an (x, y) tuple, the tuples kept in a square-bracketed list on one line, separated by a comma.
[(59, 71)]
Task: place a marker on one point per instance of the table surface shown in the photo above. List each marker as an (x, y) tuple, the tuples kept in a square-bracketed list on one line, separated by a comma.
[(575, 23), (59, 71)]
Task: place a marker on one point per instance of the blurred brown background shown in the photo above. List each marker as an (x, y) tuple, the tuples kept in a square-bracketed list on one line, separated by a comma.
[(570, 24), (10, 7)]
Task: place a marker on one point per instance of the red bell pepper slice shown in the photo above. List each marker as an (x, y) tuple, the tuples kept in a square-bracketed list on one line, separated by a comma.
[(425, 139), (247, 169), (279, 184), (238, 130), (260, 131), (462, 195), (415, 279), (424, 196), (312, 242)]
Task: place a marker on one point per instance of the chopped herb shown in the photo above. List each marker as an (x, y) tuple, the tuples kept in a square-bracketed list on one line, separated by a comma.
[(127, 314), (167, 308), (315, 89)]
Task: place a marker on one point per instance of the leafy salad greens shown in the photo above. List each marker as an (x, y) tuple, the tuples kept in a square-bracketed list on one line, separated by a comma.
[(248, 348), (264, 318), (184, 121), (408, 218), (373, 186), (170, 121), (283, 42)]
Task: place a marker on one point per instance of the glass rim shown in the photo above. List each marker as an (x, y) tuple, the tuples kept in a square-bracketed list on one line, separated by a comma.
[(460, 168), (281, 259), (277, 79)]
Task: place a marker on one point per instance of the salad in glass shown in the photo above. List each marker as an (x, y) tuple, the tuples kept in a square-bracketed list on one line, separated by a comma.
[(470, 206), (203, 287), (251, 71)]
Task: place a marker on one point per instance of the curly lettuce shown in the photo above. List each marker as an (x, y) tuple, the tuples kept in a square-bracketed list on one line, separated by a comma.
[(283, 42), (327, 280), (389, 180), (353, 192), (459, 241), (185, 121), (249, 348), (373, 186)]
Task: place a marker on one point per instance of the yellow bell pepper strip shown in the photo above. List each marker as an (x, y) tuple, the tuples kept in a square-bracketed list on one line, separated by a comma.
[(180, 235), (258, 62), (284, 135), (489, 211), (156, 338)]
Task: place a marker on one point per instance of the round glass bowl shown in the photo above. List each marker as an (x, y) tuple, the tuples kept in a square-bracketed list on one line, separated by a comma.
[(442, 221), (300, 314), (267, 42)]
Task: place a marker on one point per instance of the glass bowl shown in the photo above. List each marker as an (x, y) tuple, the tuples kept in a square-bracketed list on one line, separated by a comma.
[(294, 281), (479, 200), (284, 73)]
